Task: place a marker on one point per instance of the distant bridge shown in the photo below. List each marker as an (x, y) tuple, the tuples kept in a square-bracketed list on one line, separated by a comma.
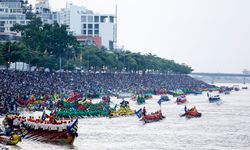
[(219, 74), (215, 76)]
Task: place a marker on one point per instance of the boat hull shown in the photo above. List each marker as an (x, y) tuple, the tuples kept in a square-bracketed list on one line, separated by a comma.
[(62, 137), (152, 117)]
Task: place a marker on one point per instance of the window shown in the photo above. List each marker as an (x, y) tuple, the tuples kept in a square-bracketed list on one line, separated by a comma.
[(90, 26), (22, 22), (2, 23), (84, 26), (96, 26), (90, 18), (96, 32), (19, 10), (111, 45), (1, 29), (84, 19), (96, 18), (83, 32), (90, 32), (111, 18), (103, 18)]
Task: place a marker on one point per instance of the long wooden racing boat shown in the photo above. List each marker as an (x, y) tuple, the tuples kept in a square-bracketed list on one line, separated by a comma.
[(153, 117), (62, 132)]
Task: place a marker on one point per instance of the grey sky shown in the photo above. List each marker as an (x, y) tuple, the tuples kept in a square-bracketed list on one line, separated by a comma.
[(208, 35)]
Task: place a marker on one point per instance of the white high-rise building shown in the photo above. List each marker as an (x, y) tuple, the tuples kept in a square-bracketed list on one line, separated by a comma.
[(71, 16), (11, 12), (43, 10), (83, 22)]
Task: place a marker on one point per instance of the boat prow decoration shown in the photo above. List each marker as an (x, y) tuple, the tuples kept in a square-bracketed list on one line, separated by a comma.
[(10, 140)]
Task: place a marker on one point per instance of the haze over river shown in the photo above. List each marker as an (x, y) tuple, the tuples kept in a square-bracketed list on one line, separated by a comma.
[(225, 126)]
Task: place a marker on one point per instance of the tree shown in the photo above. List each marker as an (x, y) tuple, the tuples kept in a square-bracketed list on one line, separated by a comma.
[(50, 45), (46, 42)]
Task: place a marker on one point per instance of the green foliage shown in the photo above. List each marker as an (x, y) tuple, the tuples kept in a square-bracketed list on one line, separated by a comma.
[(46, 43), (43, 45), (128, 61)]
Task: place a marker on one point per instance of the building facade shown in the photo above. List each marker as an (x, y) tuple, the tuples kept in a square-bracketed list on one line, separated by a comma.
[(83, 22), (87, 26), (11, 12), (43, 10), (99, 25), (89, 40)]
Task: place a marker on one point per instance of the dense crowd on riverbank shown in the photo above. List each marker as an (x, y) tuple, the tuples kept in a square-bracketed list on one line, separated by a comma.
[(16, 84)]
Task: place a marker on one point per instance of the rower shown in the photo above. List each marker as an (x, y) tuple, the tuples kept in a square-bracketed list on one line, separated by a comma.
[(52, 119), (144, 111)]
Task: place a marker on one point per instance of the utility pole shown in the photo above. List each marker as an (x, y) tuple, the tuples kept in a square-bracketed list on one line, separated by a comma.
[(9, 53), (88, 61), (115, 26), (60, 63), (124, 62)]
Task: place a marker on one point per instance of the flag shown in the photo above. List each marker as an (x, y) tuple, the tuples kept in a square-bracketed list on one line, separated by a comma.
[(43, 116), (139, 113), (123, 103), (185, 108), (159, 102), (72, 129), (54, 112), (115, 107)]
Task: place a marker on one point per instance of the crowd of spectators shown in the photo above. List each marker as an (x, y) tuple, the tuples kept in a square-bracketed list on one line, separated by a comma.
[(14, 84)]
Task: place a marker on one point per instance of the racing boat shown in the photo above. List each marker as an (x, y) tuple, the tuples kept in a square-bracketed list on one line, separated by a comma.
[(164, 98), (124, 110), (60, 131), (214, 98), (153, 117), (191, 113), (181, 99)]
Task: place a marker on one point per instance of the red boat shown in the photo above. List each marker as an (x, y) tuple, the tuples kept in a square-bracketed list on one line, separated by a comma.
[(157, 116), (181, 99), (192, 113), (62, 132)]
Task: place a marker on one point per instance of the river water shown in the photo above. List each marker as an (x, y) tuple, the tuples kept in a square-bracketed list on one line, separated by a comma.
[(225, 126)]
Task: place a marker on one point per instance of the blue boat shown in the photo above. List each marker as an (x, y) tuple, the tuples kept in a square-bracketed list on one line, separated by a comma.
[(215, 98), (164, 98)]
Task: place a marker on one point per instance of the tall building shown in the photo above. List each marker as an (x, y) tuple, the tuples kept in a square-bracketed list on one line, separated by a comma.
[(85, 23), (43, 10), (11, 12), (88, 27)]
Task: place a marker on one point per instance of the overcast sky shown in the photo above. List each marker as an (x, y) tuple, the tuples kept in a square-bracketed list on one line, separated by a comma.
[(208, 35)]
